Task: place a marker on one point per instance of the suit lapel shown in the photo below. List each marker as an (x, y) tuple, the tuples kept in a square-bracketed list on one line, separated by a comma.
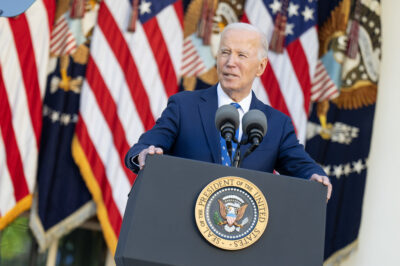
[(207, 109)]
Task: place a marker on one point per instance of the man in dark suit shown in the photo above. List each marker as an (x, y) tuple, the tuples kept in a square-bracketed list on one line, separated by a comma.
[(186, 127)]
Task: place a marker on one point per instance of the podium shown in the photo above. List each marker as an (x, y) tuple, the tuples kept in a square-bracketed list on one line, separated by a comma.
[(159, 226)]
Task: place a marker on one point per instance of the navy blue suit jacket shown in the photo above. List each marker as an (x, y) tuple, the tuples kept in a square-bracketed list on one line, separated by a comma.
[(186, 129)]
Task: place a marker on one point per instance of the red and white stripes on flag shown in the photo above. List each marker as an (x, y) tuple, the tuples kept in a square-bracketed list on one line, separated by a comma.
[(24, 54), (323, 88), (129, 77), (192, 65), (62, 40), (286, 83)]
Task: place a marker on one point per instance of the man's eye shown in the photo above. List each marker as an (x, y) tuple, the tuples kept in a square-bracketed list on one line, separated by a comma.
[(242, 55)]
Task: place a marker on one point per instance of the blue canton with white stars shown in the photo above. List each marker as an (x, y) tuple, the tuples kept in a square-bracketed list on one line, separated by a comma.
[(301, 16), (150, 8)]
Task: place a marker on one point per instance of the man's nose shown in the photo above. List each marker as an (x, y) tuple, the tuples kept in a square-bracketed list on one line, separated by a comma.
[(231, 62)]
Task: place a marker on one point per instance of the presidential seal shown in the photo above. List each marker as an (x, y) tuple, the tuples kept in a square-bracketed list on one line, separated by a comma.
[(231, 213)]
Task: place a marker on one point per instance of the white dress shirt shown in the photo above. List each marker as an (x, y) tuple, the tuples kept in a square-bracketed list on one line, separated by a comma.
[(223, 99)]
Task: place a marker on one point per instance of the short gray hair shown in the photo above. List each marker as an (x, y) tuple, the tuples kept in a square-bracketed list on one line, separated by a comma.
[(263, 52)]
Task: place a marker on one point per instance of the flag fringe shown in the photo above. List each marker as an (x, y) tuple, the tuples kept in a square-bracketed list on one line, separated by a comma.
[(21, 206), (90, 180), (339, 256), (64, 227)]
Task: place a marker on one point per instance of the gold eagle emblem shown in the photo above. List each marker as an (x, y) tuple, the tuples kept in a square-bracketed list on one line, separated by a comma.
[(230, 214)]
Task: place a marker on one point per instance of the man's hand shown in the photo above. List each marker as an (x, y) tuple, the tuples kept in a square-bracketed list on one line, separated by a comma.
[(325, 181), (150, 150)]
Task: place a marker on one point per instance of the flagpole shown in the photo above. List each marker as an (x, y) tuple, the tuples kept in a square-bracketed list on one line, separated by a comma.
[(52, 255)]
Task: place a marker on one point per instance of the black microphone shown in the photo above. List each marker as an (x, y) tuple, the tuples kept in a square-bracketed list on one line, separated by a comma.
[(254, 124), (227, 121)]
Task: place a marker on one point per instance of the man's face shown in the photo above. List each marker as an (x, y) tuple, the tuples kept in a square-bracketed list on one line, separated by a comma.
[(238, 62)]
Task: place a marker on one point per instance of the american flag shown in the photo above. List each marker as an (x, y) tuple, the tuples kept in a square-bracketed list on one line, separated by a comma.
[(62, 40), (286, 83), (323, 87), (24, 54), (129, 77)]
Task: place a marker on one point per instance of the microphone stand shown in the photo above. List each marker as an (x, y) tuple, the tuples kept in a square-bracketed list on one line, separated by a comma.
[(229, 148), (236, 158)]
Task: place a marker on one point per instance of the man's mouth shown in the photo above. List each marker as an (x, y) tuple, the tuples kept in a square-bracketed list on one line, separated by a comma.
[(230, 75)]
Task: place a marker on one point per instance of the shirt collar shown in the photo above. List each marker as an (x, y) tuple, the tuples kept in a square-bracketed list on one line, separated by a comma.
[(223, 99)]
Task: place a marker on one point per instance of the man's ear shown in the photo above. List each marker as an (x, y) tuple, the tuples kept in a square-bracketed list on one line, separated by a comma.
[(262, 66)]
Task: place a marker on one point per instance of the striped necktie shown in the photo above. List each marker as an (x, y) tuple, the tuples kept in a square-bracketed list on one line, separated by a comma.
[(224, 151)]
